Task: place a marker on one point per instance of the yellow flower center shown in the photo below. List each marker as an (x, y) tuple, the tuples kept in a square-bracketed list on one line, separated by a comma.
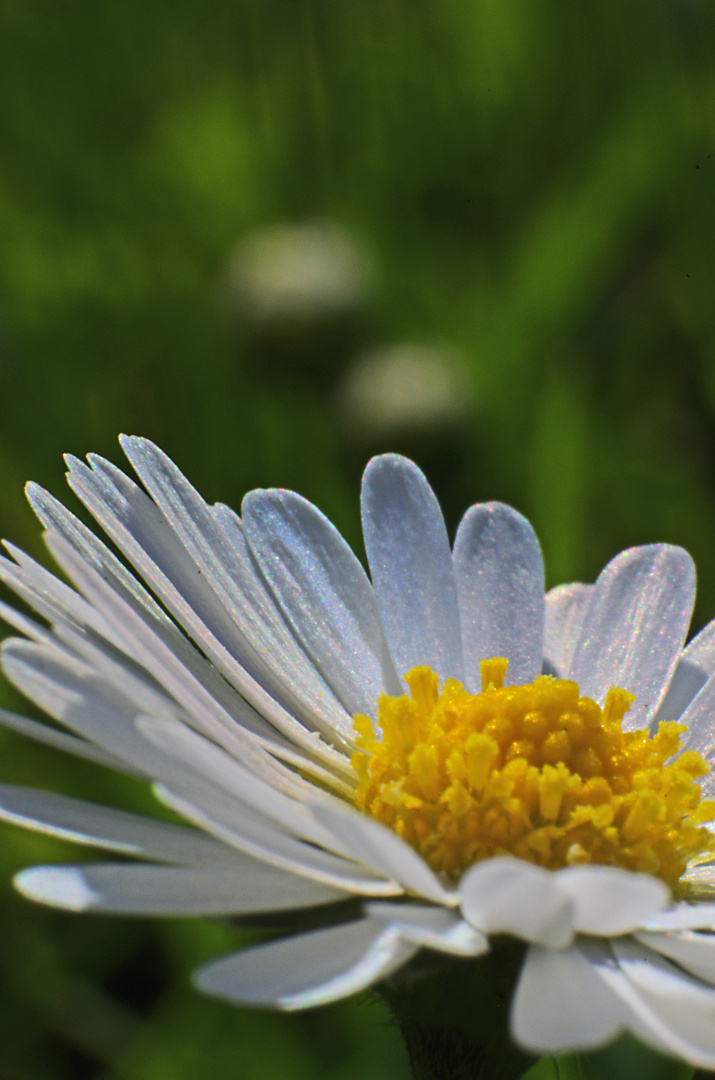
[(535, 771)]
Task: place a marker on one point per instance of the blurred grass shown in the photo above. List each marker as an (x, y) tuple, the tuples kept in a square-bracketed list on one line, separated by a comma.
[(535, 188)]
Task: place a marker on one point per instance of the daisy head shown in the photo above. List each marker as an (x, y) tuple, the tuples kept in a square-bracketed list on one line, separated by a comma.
[(425, 759)]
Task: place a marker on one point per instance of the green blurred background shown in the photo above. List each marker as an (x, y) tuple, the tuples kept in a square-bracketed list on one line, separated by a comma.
[(278, 236)]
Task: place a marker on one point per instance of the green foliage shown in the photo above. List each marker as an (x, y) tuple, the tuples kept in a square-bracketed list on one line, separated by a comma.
[(535, 189)]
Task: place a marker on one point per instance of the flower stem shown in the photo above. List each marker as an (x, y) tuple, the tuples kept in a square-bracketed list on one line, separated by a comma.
[(454, 1019)]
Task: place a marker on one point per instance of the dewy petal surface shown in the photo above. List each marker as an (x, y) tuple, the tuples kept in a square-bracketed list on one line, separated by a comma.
[(635, 627), (500, 586), (325, 594), (229, 570), (700, 734), (566, 607), (411, 567), (309, 969), (141, 532)]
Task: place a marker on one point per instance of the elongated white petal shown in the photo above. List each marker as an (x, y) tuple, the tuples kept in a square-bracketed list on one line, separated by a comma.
[(608, 900), (135, 524), (384, 851), (73, 694), (687, 681), (59, 740), (411, 567), (509, 896), (565, 611), (635, 627), (189, 685), (324, 593), (682, 917), (146, 889), (700, 731), (560, 1004), (50, 597), (701, 650), (636, 1011), (240, 827), (180, 678), (258, 633), (692, 951), (57, 518), (309, 969), (500, 586), (683, 1007), (216, 766), (105, 827), (431, 927)]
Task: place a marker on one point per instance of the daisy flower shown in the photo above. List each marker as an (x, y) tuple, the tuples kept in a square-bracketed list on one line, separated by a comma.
[(425, 759)]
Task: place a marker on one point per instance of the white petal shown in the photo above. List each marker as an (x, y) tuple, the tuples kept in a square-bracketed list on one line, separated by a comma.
[(565, 611), (324, 593), (701, 650), (57, 886), (59, 740), (687, 681), (105, 827), (57, 518), (561, 1005), (172, 890), (700, 734), (635, 627), (383, 850), (635, 1013), (692, 951), (309, 969), (683, 917), (191, 684), (186, 678), (608, 900), (682, 1007), (50, 597), (73, 694), (215, 765), (509, 896), (431, 927), (257, 632), (411, 567), (653, 973), (86, 632), (500, 586), (242, 828), (135, 524)]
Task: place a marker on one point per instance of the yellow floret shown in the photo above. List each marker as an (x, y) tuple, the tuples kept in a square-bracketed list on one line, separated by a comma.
[(535, 771)]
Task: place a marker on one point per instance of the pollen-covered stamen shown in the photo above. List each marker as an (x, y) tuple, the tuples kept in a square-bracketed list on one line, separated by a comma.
[(534, 771)]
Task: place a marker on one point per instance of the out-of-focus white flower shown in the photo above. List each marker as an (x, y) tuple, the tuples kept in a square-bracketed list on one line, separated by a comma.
[(288, 273), (403, 387), (238, 666)]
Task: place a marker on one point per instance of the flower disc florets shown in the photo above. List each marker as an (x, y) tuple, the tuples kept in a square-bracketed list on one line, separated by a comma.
[(535, 771)]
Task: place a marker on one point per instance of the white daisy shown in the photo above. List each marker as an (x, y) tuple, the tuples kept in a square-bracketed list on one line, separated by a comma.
[(243, 677)]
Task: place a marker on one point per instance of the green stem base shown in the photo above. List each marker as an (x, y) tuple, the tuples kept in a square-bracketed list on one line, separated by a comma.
[(454, 1019)]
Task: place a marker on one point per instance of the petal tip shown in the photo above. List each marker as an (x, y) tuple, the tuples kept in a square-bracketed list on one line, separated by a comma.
[(62, 887)]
